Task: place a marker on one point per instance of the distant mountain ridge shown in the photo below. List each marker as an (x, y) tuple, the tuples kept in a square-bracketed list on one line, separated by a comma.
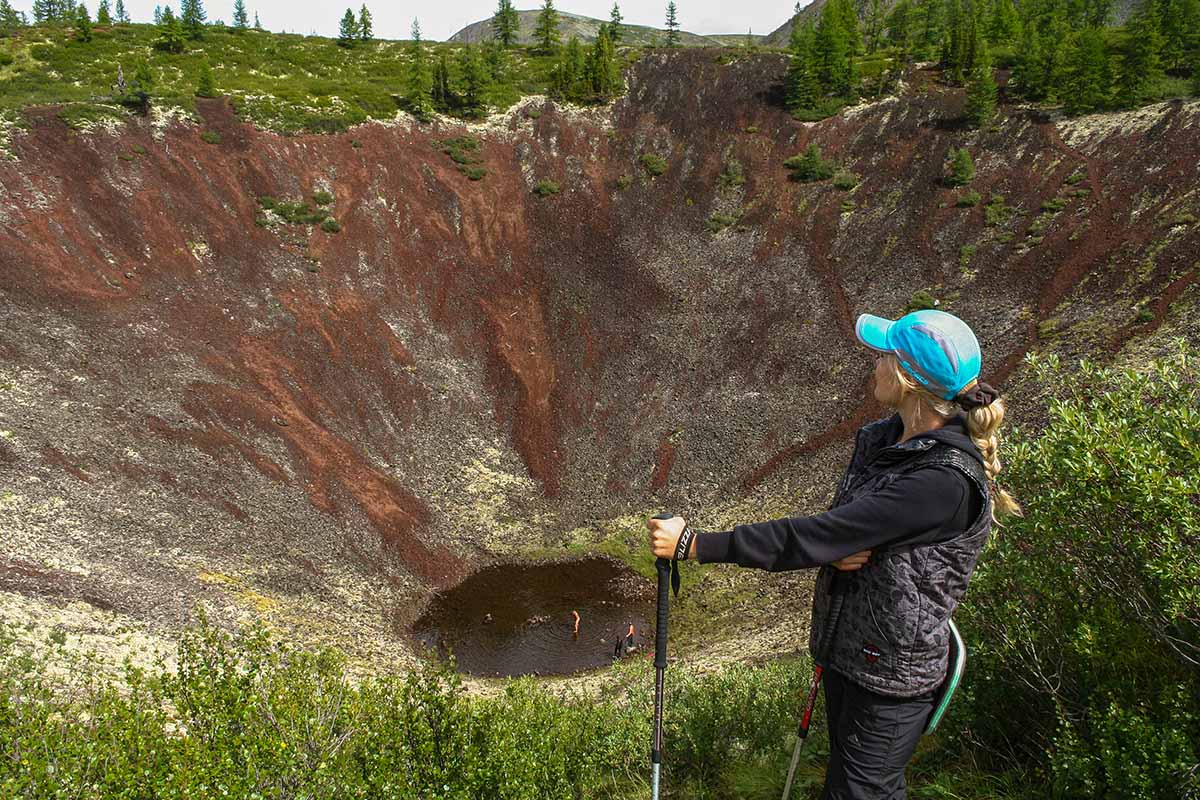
[(588, 28)]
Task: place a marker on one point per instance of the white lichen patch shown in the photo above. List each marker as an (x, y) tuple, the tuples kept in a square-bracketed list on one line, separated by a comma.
[(199, 250), (1087, 131), (161, 118), (8, 124)]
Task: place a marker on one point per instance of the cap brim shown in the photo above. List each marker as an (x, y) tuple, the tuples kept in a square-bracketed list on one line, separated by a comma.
[(872, 331)]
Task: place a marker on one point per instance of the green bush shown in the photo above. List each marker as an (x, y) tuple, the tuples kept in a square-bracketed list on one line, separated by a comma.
[(968, 199), (719, 222), (212, 137), (960, 168), (322, 197), (810, 165), (1054, 205), (845, 179), (624, 182), (6, 58), (331, 225), (995, 212), (1084, 615), (920, 301), (654, 164), (546, 187), (1078, 176), (732, 176)]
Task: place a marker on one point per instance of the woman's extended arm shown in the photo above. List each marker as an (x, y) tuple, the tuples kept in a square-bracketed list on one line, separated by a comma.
[(925, 505)]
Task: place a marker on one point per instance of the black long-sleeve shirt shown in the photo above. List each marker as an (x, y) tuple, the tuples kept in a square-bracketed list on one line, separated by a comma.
[(928, 505)]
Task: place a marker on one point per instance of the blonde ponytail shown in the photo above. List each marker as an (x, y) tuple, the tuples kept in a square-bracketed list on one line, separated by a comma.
[(983, 424)]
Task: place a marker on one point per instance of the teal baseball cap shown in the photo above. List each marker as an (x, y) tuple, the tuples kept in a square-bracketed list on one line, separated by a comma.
[(938, 349)]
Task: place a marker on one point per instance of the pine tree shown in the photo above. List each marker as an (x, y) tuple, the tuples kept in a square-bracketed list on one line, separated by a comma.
[(257, 25), (10, 19), (1028, 73), (441, 92), (875, 24), (494, 61), (158, 15), (206, 86), (505, 24), (833, 51), (614, 25), (962, 168), (365, 29), (1140, 57), (192, 16), (1088, 74), (848, 17), (170, 33), (931, 27), (900, 27), (348, 30), (1181, 32), (981, 91), (672, 25), (1002, 23), (545, 33), (419, 82), (1097, 13), (601, 66), (122, 14), (803, 87), (104, 14), (474, 80), (240, 20), (569, 72), (83, 24)]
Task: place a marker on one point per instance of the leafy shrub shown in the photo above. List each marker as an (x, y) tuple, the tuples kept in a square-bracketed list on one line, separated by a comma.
[(654, 164), (968, 199), (474, 173), (920, 301), (331, 225), (624, 182), (960, 169), (1084, 616), (1054, 205), (719, 222), (1078, 176), (546, 187), (322, 197), (732, 176), (809, 166), (845, 179), (6, 58), (965, 254), (995, 212), (212, 137), (848, 206)]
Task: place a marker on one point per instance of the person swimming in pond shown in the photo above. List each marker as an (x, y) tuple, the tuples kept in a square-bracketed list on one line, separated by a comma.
[(576, 615), (627, 645)]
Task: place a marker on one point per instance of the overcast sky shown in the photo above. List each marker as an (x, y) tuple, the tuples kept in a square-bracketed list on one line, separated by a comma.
[(441, 19)]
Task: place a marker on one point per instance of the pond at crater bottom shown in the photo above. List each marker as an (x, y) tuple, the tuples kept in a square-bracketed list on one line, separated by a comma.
[(530, 630)]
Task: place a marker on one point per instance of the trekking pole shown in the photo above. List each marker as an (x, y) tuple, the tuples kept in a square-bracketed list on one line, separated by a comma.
[(668, 577), (836, 597)]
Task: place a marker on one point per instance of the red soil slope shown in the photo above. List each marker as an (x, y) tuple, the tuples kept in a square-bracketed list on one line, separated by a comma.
[(333, 424)]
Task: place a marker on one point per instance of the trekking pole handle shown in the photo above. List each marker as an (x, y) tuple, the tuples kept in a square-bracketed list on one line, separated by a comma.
[(663, 565)]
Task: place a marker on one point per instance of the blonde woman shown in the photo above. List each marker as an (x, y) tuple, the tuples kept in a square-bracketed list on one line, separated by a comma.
[(907, 524)]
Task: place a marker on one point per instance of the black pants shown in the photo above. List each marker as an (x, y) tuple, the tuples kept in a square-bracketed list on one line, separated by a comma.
[(871, 739)]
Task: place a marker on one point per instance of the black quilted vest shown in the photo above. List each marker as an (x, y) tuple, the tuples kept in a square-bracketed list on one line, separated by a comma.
[(893, 632)]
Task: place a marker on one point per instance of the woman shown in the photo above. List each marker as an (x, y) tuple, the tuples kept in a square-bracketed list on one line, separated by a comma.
[(908, 521)]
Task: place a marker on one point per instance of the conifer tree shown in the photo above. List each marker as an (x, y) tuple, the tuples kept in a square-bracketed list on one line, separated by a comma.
[(931, 27), (138, 90), (981, 91), (672, 25), (1181, 32), (10, 19), (158, 15), (348, 30), (1140, 57), (900, 27), (1002, 23), (505, 24), (1028, 73), (874, 25), (569, 72), (614, 25), (601, 66), (803, 88), (170, 33), (494, 61), (545, 32), (441, 93), (257, 25), (365, 28), (192, 16), (833, 50), (122, 14), (83, 24), (240, 20), (962, 168), (206, 87), (419, 81), (1088, 74), (474, 80), (1097, 13), (104, 14), (848, 17)]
